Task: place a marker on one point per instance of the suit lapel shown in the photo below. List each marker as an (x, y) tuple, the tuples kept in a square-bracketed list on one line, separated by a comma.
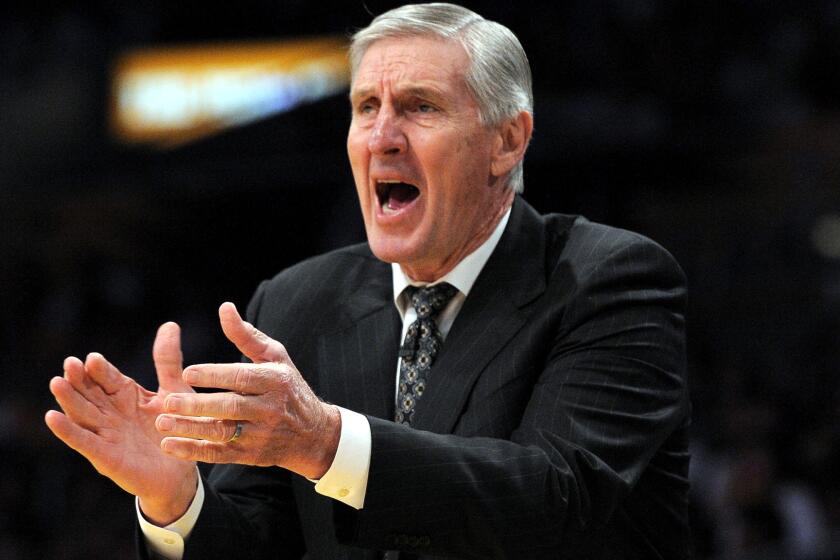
[(358, 354), (493, 313)]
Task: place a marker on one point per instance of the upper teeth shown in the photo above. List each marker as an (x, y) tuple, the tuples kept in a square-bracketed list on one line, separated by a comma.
[(389, 181)]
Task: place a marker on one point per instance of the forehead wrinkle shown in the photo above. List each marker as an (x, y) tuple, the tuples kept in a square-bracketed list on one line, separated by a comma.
[(404, 70)]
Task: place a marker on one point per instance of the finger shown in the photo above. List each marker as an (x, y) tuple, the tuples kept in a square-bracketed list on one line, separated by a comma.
[(74, 372), (250, 379), (210, 429), (168, 359), (74, 364), (253, 343), (76, 437), (74, 405), (200, 450), (106, 375), (228, 406)]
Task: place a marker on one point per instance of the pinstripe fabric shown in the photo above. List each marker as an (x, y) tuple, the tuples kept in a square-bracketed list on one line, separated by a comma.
[(553, 425)]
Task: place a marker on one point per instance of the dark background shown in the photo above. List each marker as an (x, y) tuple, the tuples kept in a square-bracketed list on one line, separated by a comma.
[(712, 127)]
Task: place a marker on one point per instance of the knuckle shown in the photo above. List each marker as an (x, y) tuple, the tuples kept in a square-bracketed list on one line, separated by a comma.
[(232, 406), (284, 375), (241, 379), (263, 338), (219, 430), (265, 374), (258, 335), (194, 429), (193, 406), (180, 427), (252, 330), (208, 452), (272, 349), (262, 342), (266, 413)]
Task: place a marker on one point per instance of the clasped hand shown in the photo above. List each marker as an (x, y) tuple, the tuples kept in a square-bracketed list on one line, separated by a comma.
[(147, 442), (282, 422)]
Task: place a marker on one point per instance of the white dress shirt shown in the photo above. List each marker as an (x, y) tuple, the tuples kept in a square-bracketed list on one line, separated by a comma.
[(346, 479)]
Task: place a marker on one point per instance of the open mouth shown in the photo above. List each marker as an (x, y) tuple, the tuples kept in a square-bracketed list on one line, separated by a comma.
[(395, 195)]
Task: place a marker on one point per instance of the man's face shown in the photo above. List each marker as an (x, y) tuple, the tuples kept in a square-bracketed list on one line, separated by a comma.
[(421, 158)]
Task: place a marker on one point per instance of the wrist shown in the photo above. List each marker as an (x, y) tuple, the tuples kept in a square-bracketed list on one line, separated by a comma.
[(166, 509), (330, 435)]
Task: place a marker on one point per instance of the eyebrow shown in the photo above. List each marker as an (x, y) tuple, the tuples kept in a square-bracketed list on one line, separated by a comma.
[(418, 90)]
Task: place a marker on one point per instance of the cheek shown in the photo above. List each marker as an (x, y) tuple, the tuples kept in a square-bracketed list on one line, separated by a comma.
[(354, 153), (358, 164)]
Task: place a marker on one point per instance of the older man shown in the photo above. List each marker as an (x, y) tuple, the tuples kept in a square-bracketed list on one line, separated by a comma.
[(535, 408)]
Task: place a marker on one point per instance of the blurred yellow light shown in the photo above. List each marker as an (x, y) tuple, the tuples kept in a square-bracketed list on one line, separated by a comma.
[(172, 95)]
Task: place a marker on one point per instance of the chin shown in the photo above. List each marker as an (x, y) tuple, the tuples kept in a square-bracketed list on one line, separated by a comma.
[(386, 251), (392, 250)]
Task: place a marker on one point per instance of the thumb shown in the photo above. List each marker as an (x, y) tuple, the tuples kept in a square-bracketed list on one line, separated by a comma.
[(253, 343), (169, 361)]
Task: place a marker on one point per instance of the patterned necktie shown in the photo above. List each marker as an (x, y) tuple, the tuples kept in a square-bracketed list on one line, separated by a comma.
[(421, 345)]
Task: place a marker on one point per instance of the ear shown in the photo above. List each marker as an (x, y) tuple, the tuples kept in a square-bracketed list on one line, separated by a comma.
[(514, 135)]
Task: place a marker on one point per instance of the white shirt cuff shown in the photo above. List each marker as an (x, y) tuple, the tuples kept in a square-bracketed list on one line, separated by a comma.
[(346, 479), (168, 541)]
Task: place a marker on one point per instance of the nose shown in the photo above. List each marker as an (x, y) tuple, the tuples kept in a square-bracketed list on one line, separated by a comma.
[(387, 137)]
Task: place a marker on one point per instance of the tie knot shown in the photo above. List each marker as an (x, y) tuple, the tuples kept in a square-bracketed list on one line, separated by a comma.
[(430, 300)]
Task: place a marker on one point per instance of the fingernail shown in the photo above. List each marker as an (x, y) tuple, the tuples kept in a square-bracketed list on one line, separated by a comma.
[(165, 423), (190, 375), (172, 402)]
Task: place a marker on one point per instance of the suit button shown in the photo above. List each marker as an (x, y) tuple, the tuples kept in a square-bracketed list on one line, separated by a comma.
[(425, 541), (402, 540), (413, 541)]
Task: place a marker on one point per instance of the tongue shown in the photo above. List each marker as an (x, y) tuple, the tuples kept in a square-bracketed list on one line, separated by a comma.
[(401, 195)]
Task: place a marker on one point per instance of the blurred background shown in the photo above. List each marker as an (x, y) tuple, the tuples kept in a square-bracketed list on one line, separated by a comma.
[(148, 173)]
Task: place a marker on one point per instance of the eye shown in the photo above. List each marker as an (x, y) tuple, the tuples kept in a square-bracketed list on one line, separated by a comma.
[(426, 108), (365, 107)]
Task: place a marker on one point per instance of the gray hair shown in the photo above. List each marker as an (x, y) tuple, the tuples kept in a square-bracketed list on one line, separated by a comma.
[(499, 76)]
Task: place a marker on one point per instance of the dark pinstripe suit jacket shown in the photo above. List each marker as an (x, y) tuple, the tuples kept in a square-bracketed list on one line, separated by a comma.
[(553, 426)]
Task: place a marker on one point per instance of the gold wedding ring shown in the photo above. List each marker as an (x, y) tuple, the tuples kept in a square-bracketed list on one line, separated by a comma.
[(236, 433)]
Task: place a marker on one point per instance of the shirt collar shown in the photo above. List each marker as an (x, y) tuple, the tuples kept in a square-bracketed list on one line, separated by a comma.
[(463, 276)]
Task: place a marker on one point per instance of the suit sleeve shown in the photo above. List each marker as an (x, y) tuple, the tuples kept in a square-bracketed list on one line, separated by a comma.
[(248, 513), (610, 391)]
